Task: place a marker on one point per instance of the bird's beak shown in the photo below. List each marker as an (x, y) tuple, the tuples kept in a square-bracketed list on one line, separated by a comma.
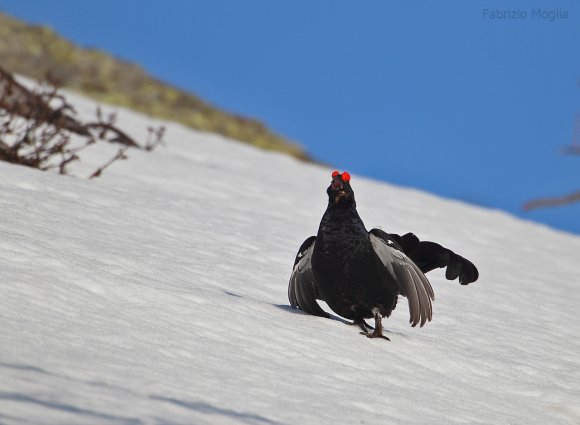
[(336, 184)]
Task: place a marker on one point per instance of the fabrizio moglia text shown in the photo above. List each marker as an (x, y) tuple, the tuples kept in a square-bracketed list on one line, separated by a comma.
[(521, 14)]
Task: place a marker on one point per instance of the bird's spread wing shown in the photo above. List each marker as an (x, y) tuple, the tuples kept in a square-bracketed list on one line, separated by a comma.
[(302, 290), (430, 255), (410, 280)]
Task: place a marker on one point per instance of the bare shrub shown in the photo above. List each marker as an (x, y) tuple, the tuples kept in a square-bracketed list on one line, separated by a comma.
[(36, 129)]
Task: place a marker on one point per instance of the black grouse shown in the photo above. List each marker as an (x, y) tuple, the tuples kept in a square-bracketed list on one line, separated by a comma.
[(360, 274)]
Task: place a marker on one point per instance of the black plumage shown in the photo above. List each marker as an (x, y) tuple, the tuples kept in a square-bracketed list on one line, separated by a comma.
[(360, 274)]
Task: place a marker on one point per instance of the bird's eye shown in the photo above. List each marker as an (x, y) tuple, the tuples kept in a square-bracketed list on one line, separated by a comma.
[(335, 173), (345, 177)]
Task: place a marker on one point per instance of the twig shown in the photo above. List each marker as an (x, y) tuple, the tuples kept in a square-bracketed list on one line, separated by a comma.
[(571, 149), (121, 137), (552, 202), (120, 155), (154, 138)]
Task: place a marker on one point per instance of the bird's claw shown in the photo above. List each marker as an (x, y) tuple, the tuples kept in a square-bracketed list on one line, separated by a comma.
[(375, 335)]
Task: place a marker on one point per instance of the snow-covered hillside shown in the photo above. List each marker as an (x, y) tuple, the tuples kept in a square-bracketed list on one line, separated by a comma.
[(156, 294)]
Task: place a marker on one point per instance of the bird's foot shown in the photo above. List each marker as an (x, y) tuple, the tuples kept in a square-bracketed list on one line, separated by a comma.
[(375, 335), (361, 324), (378, 332)]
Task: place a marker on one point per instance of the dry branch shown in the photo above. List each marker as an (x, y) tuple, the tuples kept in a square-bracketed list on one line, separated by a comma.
[(154, 137), (22, 102), (36, 129), (120, 155), (37, 106), (571, 149), (552, 202)]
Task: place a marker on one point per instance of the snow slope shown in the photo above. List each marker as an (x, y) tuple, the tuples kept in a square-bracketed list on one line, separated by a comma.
[(156, 294)]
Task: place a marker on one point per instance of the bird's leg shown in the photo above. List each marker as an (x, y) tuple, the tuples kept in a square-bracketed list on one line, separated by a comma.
[(378, 332), (361, 324)]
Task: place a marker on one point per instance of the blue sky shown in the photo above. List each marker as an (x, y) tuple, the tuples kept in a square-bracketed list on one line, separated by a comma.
[(433, 95)]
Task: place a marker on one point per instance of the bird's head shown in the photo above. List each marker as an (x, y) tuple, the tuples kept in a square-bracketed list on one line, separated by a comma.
[(339, 192)]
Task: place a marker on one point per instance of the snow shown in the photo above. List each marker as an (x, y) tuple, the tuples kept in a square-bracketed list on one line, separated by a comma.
[(156, 294)]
